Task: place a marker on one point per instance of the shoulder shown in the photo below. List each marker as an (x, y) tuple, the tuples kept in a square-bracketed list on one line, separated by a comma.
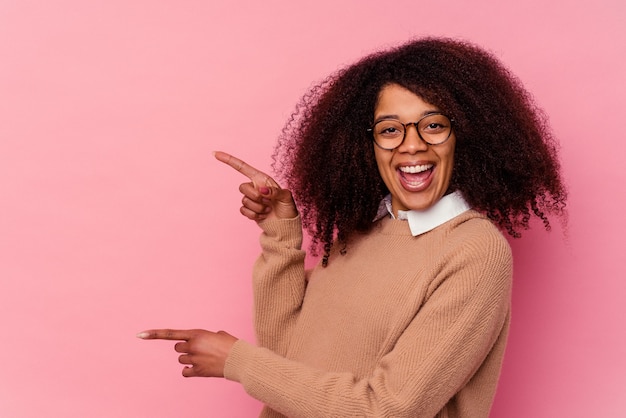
[(475, 232), (472, 243)]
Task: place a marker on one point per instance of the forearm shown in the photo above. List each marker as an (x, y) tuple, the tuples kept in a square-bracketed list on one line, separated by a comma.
[(279, 282)]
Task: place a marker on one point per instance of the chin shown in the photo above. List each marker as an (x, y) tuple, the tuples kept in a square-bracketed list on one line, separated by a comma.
[(418, 204)]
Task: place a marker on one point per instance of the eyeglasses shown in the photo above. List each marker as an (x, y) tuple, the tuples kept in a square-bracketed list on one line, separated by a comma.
[(434, 129)]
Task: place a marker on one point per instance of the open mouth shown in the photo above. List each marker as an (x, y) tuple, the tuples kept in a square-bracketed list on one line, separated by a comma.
[(415, 177)]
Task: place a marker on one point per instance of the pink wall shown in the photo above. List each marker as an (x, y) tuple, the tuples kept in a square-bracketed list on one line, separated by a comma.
[(114, 217)]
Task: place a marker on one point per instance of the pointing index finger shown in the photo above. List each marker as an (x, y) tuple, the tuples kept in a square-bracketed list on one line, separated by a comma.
[(164, 334), (257, 177)]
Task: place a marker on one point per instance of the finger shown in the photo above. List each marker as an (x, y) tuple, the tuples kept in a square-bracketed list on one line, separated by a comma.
[(251, 192), (255, 207), (252, 215), (181, 347), (164, 334), (184, 359), (258, 177), (265, 196), (188, 372)]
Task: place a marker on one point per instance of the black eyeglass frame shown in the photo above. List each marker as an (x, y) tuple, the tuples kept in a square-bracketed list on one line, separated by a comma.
[(406, 125)]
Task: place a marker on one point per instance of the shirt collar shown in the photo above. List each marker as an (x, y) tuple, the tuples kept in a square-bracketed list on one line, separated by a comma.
[(421, 221)]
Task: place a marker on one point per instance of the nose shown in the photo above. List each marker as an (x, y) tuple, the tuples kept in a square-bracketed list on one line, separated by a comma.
[(412, 141)]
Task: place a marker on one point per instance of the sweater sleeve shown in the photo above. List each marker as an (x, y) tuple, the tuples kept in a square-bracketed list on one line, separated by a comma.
[(279, 283), (437, 354)]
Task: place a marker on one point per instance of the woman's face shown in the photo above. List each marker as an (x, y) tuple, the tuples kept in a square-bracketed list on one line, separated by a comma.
[(417, 174)]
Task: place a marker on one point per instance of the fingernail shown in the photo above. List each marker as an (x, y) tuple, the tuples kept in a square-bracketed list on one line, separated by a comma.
[(143, 335), (264, 190)]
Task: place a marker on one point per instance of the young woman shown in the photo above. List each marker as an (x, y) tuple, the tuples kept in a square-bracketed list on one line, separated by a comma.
[(403, 166)]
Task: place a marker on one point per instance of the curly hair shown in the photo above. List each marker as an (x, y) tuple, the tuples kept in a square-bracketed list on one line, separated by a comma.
[(505, 163)]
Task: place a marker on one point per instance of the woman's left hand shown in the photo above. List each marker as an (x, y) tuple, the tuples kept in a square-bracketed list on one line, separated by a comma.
[(204, 352)]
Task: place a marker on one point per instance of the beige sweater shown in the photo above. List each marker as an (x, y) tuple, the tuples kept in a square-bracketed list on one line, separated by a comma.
[(400, 326)]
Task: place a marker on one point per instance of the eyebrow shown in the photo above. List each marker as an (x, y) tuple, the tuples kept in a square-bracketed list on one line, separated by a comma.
[(396, 117)]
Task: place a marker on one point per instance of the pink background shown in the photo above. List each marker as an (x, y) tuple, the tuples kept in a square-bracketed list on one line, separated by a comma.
[(114, 217)]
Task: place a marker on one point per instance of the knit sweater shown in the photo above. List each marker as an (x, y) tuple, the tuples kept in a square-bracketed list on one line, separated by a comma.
[(399, 326)]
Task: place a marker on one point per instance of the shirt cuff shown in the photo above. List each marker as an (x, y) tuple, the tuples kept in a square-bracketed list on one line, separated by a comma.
[(288, 232), (239, 356)]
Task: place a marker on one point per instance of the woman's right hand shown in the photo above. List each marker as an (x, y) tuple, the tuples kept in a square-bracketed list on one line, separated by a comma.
[(262, 198)]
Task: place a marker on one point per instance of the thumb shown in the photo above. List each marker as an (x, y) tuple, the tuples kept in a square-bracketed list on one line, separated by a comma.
[(281, 201)]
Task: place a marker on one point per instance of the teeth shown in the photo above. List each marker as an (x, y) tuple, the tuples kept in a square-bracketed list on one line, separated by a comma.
[(416, 168)]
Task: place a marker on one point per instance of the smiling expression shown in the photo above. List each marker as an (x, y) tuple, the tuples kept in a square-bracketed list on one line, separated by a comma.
[(417, 174)]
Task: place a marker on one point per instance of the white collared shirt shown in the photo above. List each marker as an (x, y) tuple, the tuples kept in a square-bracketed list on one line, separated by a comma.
[(421, 221)]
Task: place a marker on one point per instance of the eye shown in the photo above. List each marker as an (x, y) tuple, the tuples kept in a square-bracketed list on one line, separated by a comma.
[(434, 124), (389, 129), (434, 127)]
